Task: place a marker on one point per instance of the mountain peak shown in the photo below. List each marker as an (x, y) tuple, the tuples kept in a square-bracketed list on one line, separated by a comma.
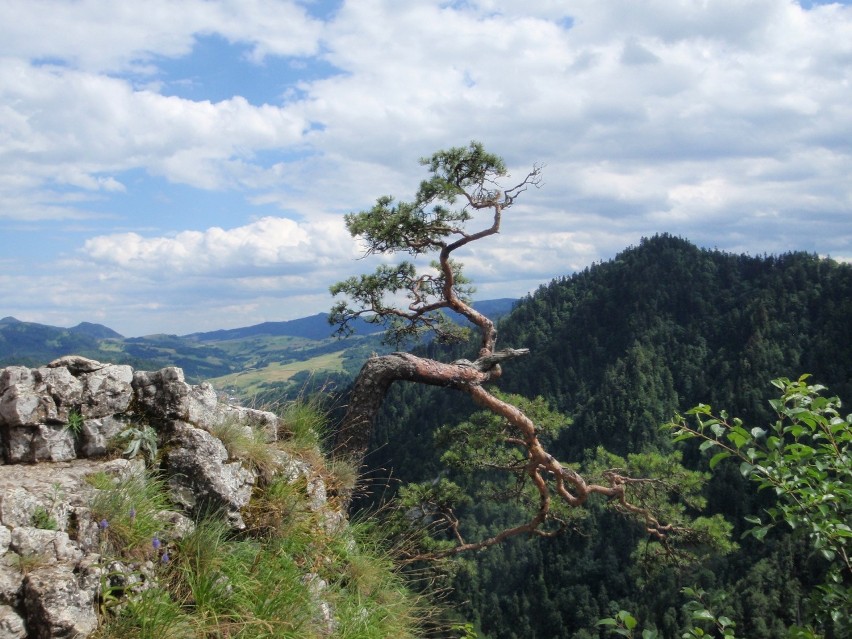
[(98, 331)]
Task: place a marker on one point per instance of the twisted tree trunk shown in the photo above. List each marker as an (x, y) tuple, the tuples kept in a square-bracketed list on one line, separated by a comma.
[(379, 372)]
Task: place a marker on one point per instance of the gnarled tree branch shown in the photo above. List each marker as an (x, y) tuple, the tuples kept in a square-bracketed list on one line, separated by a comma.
[(379, 372)]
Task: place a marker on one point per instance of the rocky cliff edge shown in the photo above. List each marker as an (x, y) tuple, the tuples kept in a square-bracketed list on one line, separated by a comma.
[(59, 425)]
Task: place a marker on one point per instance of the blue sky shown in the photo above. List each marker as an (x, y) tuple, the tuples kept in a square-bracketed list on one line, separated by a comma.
[(180, 166)]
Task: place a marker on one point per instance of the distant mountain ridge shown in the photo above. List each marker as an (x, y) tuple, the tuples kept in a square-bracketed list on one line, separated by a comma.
[(98, 331), (317, 326), (312, 327), (202, 355), (33, 344)]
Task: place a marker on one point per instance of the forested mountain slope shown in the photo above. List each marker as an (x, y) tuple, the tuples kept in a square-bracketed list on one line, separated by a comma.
[(619, 348), (666, 325)]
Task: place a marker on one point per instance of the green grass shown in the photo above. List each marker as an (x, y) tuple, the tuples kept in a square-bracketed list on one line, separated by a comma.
[(248, 445), (305, 421), (281, 577), (152, 614), (43, 518), (111, 346), (247, 347), (128, 511)]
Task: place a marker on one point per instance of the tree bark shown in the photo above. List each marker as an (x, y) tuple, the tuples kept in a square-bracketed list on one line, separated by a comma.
[(379, 372)]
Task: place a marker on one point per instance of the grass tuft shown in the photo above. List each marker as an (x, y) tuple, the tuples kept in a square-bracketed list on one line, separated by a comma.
[(129, 511), (305, 422), (248, 445)]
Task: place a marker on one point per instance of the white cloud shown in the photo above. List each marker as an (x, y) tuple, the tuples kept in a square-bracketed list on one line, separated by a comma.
[(79, 129), (101, 35), (728, 122), (268, 243)]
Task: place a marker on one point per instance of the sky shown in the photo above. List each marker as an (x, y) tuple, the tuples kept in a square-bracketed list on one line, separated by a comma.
[(175, 166)]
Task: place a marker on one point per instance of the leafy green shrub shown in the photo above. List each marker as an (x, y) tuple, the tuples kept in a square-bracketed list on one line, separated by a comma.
[(805, 458)]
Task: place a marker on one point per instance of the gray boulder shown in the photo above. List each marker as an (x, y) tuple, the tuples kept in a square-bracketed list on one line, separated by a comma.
[(96, 434), (29, 397), (161, 395), (202, 480), (107, 391), (40, 442), (59, 603), (11, 624)]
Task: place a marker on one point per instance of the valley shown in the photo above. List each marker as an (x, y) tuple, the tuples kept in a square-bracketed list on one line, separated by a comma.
[(267, 358)]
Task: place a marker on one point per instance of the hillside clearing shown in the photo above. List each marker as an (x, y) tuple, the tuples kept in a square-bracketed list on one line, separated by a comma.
[(250, 382)]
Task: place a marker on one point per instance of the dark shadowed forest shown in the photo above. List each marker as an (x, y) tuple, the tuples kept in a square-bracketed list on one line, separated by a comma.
[(618, 349)]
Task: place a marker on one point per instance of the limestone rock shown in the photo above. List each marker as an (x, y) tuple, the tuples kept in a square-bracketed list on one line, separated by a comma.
[(57, 604), (96, 434), (77, 364), (107, 391), (18, 402), (60, 489), (17, 504), (162, 395), (29, 397), (11, 584), (202, 407), (11, 624), (264, 420), (51, 545), (202, 480), (47, 528), (178, 525), (5, 539), (40, 442)]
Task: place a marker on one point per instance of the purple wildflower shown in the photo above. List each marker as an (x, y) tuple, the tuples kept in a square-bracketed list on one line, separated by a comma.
[(156, 543), (132, 515), (104, 524), (165, 558)]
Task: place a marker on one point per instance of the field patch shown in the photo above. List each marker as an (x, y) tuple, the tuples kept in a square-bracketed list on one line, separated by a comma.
[(249, 382)]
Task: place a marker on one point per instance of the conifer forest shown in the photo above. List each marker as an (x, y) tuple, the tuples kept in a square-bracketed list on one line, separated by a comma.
[(617, 351)]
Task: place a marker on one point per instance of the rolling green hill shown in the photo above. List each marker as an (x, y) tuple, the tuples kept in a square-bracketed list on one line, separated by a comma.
[(265, 350), (31, 344)]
